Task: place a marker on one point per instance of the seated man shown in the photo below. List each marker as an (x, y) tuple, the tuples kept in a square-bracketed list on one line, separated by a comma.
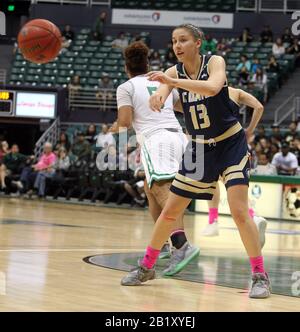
[(81, 148), (13, 162), (285, 161)]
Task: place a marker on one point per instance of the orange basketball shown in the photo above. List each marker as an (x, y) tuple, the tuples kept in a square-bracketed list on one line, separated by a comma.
[(39, 41)]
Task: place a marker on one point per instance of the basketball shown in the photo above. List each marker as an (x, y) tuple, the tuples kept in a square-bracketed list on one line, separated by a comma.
[(39, 41)]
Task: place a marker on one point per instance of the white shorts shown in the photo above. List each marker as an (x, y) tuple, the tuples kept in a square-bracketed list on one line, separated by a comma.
[(162, 154)]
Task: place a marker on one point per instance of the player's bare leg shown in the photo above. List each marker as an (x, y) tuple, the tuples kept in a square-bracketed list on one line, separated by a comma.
[(211, 228), (238, 203), (175, 207)]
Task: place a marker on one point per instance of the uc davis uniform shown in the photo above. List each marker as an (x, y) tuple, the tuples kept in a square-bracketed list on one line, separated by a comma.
[(218, 145), (159, 134)]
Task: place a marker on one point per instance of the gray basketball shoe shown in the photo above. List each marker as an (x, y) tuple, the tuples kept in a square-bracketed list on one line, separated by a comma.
[(137, 276), (261, 287), (181, 258)]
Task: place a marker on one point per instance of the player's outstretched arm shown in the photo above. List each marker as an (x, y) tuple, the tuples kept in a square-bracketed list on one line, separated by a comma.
[(158, 99), (247, 99), (209, 88)]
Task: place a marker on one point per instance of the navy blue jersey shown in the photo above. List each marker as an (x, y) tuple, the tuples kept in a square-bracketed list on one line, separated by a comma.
[(207, 116), (235, 108)]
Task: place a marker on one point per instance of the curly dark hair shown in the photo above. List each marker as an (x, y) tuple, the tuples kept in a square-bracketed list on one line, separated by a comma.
[(136, 58)]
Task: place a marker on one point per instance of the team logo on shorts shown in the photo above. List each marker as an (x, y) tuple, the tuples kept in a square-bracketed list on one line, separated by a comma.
[(256, 191), (155, 16), (216, 19)]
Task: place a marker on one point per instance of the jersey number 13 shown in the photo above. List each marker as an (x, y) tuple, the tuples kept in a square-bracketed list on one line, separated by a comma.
[(198, 113)]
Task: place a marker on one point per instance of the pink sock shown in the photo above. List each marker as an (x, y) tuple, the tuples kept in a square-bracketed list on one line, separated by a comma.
[(213, 215), (251, 213), (257, 264), (150, 257)]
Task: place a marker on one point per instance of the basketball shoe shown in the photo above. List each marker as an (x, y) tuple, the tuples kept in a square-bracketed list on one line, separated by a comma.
[(137, 276), (261, 224), (260, 287), (165, 252), (211, 229), (181, 258)]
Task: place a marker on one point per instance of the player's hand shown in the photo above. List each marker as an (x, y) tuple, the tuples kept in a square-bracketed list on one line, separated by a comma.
[(156, 102), (160, 77)]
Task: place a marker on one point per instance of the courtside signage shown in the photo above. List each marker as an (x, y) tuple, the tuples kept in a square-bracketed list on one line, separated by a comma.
[(172, 18)]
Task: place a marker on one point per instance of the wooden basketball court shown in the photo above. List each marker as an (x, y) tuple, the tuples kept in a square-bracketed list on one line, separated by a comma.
[(42, 246)]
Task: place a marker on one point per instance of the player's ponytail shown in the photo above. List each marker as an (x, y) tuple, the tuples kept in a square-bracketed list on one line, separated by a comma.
[(136, 58)]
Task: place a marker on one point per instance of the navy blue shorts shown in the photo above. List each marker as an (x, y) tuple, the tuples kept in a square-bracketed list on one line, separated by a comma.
[(228, 159)]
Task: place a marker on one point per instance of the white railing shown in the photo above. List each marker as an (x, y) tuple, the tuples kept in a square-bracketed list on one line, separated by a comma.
[(291, 107), (76, 2), (100, 2), (102, 99), (282, 6), (247, 5), (50, 135)]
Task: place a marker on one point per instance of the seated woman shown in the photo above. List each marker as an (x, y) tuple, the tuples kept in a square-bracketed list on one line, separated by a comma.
[(260, 81), (61, 164)]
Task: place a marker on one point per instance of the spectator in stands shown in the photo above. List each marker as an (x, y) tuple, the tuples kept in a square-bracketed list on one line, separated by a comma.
[(287, 37), (105, 92), (285, 161), (61, 164), (91, 134), (135, 187), (266, 35), (292, 134), (223, 47), (244, 63), (120, 42), (99, 26), (13, 162), (276, 132), (209, 45), (244, 77), (74, 86), (111, 160), (260, 81), (4, 149), (273, 65), (65, 44), (295, 50), (81, 149), (278, 49), (68, 33), (294, 148), (63, 142), (246, 36), (170, 59), (155, 59), (274, 149), (105, 138), (261, 133), (265, 147), (44, 164), (264, 167), (256, 64)]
